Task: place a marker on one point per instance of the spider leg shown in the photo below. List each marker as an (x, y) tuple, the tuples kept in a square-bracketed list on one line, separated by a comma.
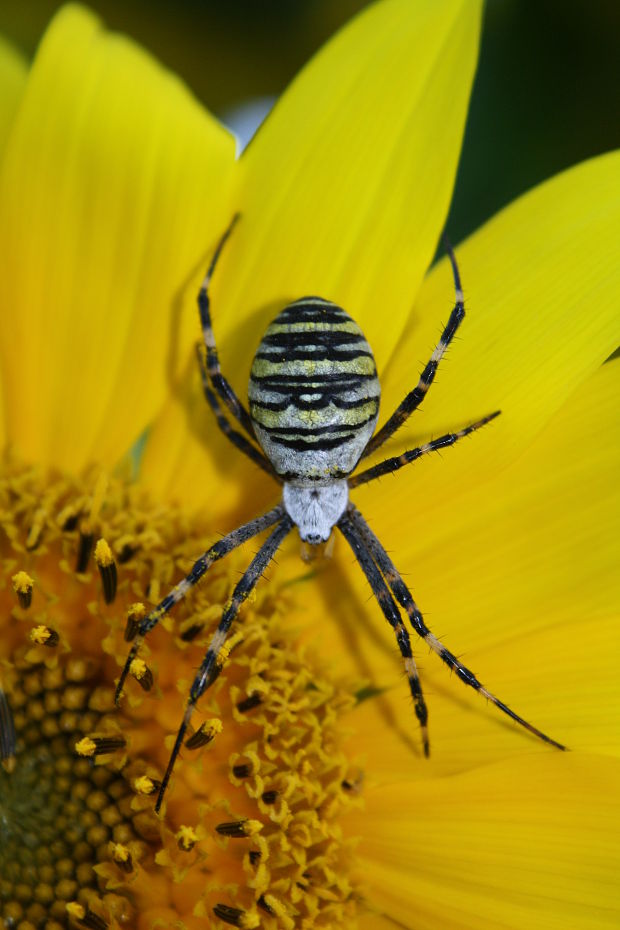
[(221, 548), (220, 384), (238, 439), (404, 598), (415, 397), (392, 615), (393, 464), (207, 672)]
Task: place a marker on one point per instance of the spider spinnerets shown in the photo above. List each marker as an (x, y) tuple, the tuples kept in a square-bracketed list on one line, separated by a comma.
[(314, 402)]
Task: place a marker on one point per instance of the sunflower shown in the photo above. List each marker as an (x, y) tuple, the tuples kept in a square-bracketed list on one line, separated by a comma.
[(302, 799)]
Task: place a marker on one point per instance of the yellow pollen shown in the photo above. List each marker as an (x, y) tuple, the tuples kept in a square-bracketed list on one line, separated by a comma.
[(86, 746), (136, 611), (76, 910), (186, 837), (103, 554), (273, 778), (249, 921), (252, 827), (213, 727), (22, 583), (138, 668), (144, 785), (40, 635), (119, 852)]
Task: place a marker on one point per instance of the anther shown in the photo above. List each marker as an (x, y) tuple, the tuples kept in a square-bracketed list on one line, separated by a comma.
[(262, 903), (23, 585), (204, 734), (254, 856), (121, 856), (269, 797), (68, 519), (142, 673), (107, 570), (90, 746), (85, 917), (8, 739), (241, 771), (44, 636), (191, 632), (186, 838), (145, 785), (250, 702), (239, 828), (236, 917), (85, 548), (135, 614), (126, 553)]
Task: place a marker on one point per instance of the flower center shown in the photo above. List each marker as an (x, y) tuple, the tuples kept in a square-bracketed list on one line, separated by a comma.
[(250, 834), (58, 813)]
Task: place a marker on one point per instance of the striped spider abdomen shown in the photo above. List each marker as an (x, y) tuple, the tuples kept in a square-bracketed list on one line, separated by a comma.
[(314, 392)]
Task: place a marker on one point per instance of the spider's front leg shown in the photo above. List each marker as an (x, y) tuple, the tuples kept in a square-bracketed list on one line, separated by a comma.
[(207, 672), (415, 397), (221, 386), (221, 548)]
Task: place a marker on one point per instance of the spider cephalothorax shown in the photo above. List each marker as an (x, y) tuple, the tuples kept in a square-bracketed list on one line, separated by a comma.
[(314, 403)]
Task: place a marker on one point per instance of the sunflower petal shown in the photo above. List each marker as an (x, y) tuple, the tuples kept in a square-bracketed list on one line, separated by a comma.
[(519, 573), (540, 282), (13, 73), (520, 844), (113, 186), (343, 192), (548, 526)]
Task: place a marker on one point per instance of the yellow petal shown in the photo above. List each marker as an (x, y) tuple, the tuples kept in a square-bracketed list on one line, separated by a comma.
[(13, 73), (539, 282), (514, 577), (345, 189), (343, 193), (112, 188), (567, 689), (537, 543), (515, 845)]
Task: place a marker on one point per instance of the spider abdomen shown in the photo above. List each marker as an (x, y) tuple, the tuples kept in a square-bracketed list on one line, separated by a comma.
[(314, 392)]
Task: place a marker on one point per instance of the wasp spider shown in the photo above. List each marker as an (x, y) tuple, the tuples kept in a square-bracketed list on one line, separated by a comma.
[(313, 407)]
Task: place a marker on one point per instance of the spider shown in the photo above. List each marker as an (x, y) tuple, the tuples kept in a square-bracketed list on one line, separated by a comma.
[(313, 407)]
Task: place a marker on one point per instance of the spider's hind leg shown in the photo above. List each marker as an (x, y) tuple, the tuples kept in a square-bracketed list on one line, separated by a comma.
[(392, 615), (403, 596)]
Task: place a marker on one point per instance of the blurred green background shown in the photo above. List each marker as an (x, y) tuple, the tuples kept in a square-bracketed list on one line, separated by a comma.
[(547, 93)]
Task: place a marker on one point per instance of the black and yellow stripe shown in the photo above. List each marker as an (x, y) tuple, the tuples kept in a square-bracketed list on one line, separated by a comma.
[(314, 392)]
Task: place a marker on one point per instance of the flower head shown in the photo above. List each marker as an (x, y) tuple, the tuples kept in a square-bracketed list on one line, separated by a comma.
[(301, 798)]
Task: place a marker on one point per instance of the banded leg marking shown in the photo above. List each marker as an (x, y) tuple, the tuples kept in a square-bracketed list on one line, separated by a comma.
[(237, 439), (393, 464), (414, 398), (221, 548), (392, 615), (403, 596), (205, 675), (220, 384)]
